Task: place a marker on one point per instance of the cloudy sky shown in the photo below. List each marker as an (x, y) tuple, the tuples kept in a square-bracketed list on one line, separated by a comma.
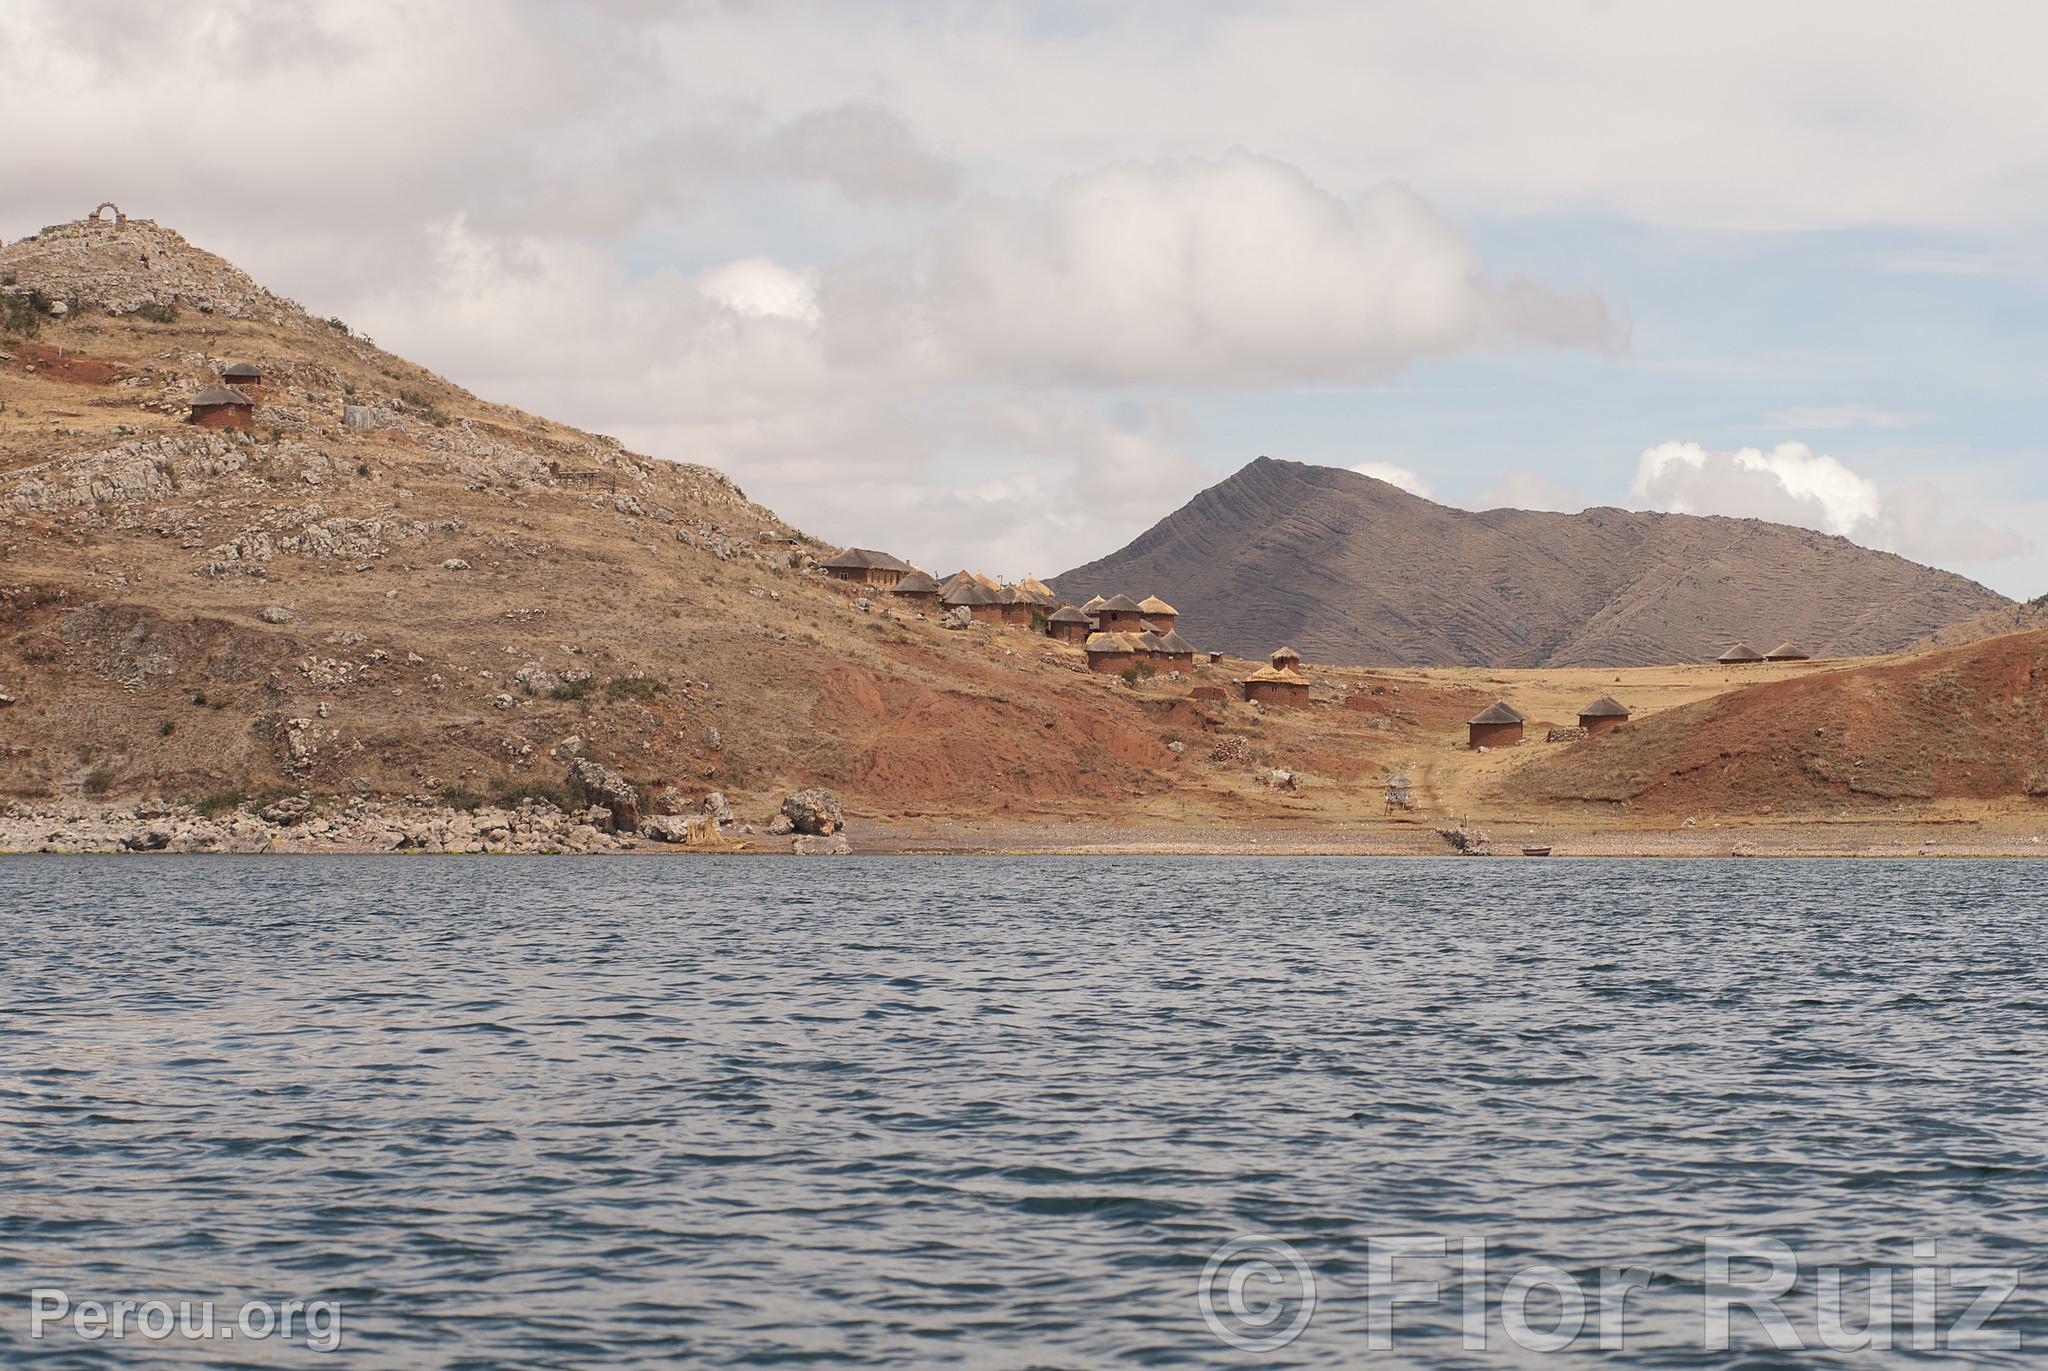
[(1002, 284)]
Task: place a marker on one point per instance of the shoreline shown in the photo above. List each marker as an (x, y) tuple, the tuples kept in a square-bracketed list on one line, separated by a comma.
[(363, 828)]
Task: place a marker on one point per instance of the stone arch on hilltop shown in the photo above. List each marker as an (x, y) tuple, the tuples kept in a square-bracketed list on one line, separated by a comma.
[(99, 212)]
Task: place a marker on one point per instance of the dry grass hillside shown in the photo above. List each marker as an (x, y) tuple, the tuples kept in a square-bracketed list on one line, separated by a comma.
[(1966, 724), (430, 604), (391, 588), (1351, 569)]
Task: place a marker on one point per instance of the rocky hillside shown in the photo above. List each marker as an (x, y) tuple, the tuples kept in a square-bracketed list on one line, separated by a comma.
[(2012, 618), (1962, 723), (1351, 569), (392, 592)]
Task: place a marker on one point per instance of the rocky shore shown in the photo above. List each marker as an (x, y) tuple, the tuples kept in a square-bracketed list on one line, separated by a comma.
[(810, 823)]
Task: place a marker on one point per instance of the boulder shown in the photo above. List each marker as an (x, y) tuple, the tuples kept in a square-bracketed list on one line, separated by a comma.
[(1279, 780), (780, 824), (286, 812), (608, 790), (358, 417), (1466, 842), (455, 564), (275, 614), (809, 845), (666, 828), (956, 617), (815, 811)]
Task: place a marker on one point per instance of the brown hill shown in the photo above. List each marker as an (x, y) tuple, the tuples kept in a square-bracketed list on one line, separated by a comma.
[(1351, 569), (388, 587), (1962, 723), (2012, 618)]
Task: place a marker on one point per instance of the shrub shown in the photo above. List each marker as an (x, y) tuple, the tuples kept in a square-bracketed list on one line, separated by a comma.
[(100, 781), (18, 316), (156, 312), (166, 729), (420, 403), (642, 688), (571, 690)]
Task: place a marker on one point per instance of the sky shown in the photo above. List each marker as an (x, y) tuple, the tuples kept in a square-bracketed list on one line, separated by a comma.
[(1001, 285)]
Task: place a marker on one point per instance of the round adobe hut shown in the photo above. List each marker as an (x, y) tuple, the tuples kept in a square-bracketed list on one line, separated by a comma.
[(222, 407), (1274, 686), (1111, 652), (1602, 714), (1067, 625), (1497, 725), (1742, 654), (917, 590)]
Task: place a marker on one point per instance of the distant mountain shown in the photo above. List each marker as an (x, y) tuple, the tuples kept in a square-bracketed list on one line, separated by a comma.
[(1353, 570)]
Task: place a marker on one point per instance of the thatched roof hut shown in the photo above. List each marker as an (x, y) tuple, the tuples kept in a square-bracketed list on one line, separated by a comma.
[(1119, 614), (1740, 653), (222, 407), (1788, 652), (917, 587), (1286, 659), (1158, 611), (242, 374), (1068, 625), (866, 567), (1497, 725), (1110, 652), (1603, 713), (1276, 686)]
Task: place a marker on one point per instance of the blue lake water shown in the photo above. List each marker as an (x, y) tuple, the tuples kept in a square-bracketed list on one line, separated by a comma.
[(505, 1112)]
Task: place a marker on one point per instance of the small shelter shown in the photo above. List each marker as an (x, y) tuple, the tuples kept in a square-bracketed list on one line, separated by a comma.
[(982, 604), (917, 590), (1110, 652), (1286, 659), (1179, 651), (1788, 652), (1276, 686), (864, 566), (1497, 725), (1150, 648), (1067, 625), (1740, 655), (1016, 606), (1159, 612), (239, 374), (1400, 792), (222, 407), (1602, 714), (1120, 614), (1093, 607)]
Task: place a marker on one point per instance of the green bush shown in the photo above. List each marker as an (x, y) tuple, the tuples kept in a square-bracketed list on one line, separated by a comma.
[(100, 781), (156, 312), (571, 690), (18, 316)]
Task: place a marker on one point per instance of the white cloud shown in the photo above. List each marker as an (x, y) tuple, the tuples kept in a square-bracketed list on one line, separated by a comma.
[(1530, 490), (1792, 484), (1233, 271), (1394, 476), (761, 289)]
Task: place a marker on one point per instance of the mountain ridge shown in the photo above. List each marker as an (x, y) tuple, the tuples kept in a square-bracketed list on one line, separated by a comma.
[(1354, 570)]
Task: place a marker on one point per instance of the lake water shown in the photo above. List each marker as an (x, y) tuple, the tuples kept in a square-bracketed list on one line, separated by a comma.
[(1002, 1113)]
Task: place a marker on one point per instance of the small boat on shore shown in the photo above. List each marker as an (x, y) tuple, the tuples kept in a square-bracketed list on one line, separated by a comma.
[(1535, 852)]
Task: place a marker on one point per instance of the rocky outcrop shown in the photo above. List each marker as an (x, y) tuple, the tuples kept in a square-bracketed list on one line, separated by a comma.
[(1466, 842), (816, 812), (608, 790)]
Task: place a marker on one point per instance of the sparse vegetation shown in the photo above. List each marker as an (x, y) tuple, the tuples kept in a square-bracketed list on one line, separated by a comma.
[(18, 316), (420, 403), (166, 729), (156, 312), (642, 688), (99, 781), (571, 690)]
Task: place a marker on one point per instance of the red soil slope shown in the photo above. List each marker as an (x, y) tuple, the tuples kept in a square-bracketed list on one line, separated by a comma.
[(1963, 723)]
